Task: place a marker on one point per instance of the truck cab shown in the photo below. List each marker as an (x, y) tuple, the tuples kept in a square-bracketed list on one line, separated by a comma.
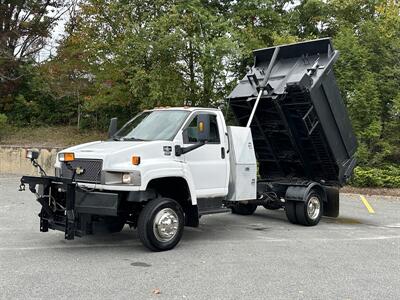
[(164, 144), (160, 171)]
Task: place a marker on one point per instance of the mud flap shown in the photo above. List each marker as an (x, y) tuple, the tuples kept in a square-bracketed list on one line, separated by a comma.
[(191, 216), (331, 206)]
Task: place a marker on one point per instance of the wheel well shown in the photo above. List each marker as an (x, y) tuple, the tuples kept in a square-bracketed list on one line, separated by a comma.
[(171, 187), (320, 190), (177, 188), (299, 193)]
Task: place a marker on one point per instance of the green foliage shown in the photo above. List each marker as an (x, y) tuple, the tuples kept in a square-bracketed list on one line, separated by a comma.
[(35, 102), (369, 76), (24, 28), (119, 57), (375, 177), (3, 124)]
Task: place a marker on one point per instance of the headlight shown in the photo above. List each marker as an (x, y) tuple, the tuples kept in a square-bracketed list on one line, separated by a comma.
[(126, 178), (131, 178)]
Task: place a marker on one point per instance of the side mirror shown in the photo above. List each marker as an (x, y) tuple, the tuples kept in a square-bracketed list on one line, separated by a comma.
[(113, 128), (203, 127)]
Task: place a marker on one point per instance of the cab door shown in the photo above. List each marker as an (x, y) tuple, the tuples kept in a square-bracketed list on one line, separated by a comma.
[(208, 164)]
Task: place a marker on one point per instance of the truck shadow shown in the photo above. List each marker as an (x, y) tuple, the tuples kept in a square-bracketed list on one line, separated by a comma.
[(225, 227)]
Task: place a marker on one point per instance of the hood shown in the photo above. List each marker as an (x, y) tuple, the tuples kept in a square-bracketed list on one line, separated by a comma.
[(116, 155), (100, 149)]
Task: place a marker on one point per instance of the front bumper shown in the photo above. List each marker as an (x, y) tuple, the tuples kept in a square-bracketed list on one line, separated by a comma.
[(69, 208)]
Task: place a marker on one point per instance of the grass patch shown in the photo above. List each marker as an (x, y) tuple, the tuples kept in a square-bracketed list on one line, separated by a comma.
[(55, 136)]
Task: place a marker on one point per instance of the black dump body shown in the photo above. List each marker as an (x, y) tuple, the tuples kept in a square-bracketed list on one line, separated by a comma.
[(300, 128)]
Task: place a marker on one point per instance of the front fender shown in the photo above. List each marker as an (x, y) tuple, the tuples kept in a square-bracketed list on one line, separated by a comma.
[(170, 169)]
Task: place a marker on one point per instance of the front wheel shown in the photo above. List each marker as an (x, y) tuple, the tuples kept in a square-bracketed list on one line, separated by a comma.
[(160, 224)]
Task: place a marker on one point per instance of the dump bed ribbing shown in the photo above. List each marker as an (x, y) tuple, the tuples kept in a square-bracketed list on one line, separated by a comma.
[(300, 127)]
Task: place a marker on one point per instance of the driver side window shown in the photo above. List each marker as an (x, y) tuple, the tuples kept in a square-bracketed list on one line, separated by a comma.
[(190, 133)]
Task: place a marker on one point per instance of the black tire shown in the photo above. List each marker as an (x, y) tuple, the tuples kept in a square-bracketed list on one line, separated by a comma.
[(147, 229), (244, 209), (114, 224), (303, 210), (290, 210)]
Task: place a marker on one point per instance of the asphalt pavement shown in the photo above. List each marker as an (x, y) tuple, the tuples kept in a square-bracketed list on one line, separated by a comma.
[(356, 256)]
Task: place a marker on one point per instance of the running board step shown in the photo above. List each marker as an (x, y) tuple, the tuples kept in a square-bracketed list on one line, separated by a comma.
[(214, 211)]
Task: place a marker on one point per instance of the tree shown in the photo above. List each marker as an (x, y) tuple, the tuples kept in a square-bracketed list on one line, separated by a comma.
[(24, 29), (119, 57), (258, 24), (369, 76), (143, 54)]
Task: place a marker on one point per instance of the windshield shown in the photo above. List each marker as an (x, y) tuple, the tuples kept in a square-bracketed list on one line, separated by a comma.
[(152, 125)]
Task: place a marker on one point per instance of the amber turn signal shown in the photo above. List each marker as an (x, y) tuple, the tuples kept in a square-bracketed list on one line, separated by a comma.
[(67, 157), (135, 160)]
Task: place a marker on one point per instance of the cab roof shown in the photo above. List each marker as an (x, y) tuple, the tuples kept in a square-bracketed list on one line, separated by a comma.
[(186, 108)]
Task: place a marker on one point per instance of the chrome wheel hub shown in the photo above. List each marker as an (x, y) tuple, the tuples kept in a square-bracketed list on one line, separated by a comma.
[(165, 225), (313, 208)]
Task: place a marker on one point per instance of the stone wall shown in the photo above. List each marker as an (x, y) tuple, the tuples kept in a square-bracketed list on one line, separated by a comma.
[(13, 161)]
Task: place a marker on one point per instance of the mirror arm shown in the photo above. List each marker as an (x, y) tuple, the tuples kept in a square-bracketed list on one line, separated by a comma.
[(113, 128), (39, 167), (183, 150)]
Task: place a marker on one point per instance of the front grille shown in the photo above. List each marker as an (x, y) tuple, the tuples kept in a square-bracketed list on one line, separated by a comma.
[(91, 170)]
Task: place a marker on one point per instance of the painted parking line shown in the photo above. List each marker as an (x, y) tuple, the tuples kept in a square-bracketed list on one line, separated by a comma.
[(367, 205)]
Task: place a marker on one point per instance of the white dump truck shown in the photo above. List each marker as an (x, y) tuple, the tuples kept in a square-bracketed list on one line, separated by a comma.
[(292, 148)]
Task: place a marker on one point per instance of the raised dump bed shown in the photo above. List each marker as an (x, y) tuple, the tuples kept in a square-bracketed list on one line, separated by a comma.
[(300, 128)]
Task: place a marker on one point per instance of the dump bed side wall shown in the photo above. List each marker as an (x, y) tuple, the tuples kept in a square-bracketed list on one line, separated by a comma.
[(301, 128), (336, 124)]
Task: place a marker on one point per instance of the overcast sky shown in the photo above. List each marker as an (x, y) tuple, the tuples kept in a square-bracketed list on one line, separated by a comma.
[(56, 35)]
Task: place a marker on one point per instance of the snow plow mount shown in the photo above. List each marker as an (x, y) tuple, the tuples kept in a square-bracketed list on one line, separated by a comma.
[(57, 197)]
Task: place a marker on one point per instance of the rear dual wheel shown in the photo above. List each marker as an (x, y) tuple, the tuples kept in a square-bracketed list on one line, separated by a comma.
[(306, 213)]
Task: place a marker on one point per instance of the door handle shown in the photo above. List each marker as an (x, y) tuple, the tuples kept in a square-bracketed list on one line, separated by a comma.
[(229, 143), (222, 152)]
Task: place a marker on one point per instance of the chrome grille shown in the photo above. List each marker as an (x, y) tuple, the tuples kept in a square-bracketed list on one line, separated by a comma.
[(91, 170)]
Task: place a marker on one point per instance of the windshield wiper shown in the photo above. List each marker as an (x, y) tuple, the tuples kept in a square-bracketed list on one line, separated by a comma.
[(133, 139)]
